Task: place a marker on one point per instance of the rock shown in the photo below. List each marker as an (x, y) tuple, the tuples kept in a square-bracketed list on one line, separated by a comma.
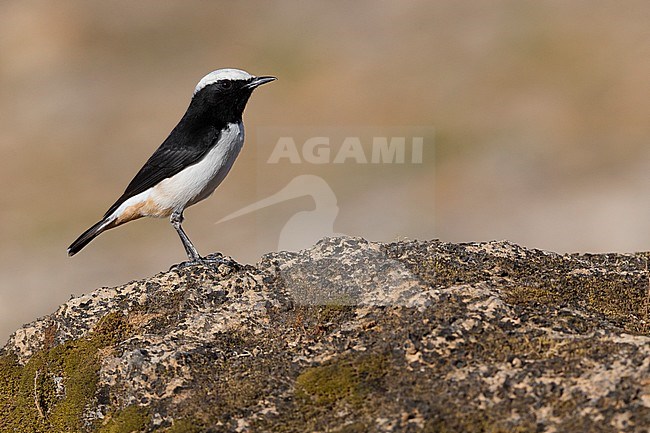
[(348, 336)]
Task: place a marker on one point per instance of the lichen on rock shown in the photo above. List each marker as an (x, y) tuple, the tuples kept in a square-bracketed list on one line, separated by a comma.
[(349, 335)]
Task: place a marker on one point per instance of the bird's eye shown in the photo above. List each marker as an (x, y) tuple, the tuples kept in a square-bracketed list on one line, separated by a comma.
[(226, 84)]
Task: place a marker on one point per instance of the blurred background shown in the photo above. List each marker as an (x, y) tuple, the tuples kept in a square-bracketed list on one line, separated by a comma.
[(540, 110)]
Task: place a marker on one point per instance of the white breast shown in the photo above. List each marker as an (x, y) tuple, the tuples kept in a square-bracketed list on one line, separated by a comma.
[(190, 185), (198, 181)]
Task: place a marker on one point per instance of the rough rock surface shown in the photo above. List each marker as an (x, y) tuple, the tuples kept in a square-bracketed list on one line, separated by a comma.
[(349, 336)]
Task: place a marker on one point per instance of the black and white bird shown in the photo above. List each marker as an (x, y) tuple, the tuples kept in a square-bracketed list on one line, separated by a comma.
[(193, 160)]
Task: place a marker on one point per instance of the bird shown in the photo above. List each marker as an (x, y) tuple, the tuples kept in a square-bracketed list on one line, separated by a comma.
[(190, 163)]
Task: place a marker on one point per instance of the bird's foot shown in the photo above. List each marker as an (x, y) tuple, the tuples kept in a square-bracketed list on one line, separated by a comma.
[(183, 265), (210, 261), (217, 259)]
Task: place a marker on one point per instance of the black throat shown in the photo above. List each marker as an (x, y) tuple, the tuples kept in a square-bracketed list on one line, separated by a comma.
[(216, 107)]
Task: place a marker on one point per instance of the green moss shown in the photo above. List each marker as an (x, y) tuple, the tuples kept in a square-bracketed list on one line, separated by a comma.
[(9, 384), (51, 392), (348, 380), (525, 295), (184, 426), (331, 313), (355, 427), (111, 329), (130, 419)]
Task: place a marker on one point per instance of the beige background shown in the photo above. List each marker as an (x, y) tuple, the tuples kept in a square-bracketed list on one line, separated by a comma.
[(540, 110)]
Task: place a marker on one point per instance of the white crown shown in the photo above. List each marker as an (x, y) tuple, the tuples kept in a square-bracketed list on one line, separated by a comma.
[(222, 74)]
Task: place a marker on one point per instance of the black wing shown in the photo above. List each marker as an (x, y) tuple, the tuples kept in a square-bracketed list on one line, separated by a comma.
[(178, 151)]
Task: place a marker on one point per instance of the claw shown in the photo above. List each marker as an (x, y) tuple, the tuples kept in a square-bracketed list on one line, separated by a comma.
[(210, 261)]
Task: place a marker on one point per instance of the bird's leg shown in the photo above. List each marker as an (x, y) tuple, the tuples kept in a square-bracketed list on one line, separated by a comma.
[(176, 219)]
